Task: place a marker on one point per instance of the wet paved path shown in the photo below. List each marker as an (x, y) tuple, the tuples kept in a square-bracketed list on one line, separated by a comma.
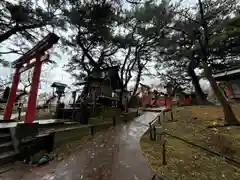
[(112, 155)]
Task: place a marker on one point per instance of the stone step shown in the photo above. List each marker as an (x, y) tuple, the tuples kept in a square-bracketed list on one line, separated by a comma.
[(7, 154), (8, 157), (5, 137), (7, 146), (4, 130)]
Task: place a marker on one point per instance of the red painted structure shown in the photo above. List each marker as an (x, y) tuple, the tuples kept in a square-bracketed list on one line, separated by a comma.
[(169, 103), (147, 100), (229, 90), (229, 81), (24, 63), (151, 97), (188, 100), (161, 101)]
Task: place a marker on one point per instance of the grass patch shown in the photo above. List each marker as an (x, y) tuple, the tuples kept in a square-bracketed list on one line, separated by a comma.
[(187, 162)]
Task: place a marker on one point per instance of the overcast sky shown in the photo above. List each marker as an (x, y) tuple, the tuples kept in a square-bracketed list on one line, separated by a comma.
[(57, 73)]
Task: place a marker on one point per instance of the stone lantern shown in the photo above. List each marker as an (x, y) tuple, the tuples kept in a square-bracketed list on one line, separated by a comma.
[(59, 89)]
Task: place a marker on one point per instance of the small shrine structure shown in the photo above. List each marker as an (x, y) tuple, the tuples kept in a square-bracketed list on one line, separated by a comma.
[(102, 84), (229, 82), (59, 89)]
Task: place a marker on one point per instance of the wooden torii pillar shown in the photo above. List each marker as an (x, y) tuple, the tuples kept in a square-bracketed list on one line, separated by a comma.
[(34, 58)]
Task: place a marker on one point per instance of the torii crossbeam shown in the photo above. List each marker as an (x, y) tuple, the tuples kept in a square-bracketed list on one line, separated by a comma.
[(34, 58)]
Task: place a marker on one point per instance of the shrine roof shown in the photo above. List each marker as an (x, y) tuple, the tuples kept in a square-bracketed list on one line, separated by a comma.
[(227, 74), (81, 82), (146, 86), (105, 73), (57, 84)]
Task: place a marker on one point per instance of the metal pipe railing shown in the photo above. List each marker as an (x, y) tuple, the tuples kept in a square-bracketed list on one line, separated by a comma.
[(152, 128), (227, 159), (153, 136)]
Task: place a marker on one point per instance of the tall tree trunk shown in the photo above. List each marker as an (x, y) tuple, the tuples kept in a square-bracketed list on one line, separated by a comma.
[(195, 80), (83, 94), (229, 115), (136, 86)]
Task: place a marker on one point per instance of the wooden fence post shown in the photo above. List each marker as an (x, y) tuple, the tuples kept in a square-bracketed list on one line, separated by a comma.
[(150, 128), (125, 119), (171, 115), (92, 130), (159, 119), (19, 112), (154, 133), (114, 121), (164, 162)]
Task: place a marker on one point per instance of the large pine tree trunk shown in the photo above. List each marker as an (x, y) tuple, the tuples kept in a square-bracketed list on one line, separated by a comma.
[(135, 87), (83, 94), (201, 98), (229, 115)]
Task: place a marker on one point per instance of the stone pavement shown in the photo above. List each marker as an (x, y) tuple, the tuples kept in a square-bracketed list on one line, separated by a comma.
[(112, 155), (14, 116)]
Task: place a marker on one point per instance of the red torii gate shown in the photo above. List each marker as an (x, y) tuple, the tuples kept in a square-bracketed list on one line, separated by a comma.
[(24, 63)]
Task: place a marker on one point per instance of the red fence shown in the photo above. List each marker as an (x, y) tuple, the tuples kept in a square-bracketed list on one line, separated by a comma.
[(158, 102), (161, 101)]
